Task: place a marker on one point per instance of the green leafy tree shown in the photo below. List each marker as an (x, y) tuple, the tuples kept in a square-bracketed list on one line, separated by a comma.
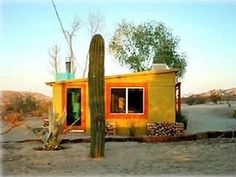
[(138, 46)]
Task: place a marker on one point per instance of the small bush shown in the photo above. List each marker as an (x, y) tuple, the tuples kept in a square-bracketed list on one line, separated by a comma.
[(20, 104), (13, 118), (25, 106), (182, 118), (234, 113), (192, 100), (132, 128)]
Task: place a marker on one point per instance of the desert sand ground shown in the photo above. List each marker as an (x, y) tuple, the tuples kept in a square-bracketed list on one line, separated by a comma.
[(215, 157), (210, 117), (203, 157)]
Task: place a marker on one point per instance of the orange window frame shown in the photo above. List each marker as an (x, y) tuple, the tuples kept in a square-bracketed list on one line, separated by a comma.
[(110, 115)]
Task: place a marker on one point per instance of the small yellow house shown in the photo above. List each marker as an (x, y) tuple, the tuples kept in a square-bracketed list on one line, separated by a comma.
[(131, 100)]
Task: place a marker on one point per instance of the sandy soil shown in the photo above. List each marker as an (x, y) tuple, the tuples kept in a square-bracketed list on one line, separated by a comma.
[(203, 157), (209, 117)]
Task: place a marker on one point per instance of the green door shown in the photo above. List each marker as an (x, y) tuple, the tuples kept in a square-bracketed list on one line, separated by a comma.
[(73, 106)]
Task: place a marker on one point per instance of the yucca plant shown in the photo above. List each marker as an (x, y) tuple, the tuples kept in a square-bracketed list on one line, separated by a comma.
[(53, 136), (56, 130)]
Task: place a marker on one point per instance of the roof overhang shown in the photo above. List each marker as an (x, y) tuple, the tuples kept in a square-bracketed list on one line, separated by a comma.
[(118, 76)]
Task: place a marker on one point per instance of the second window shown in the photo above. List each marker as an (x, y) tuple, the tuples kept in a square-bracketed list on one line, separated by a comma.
[(127, 100)]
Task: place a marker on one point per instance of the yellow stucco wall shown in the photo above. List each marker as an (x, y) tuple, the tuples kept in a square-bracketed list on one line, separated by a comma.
[(57, 99), (160, 99)]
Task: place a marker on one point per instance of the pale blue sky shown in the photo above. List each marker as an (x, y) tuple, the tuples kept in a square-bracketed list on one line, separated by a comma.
[(207, 30)]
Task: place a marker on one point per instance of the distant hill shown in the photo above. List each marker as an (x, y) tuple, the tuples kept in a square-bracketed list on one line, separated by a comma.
[(32, 103), (216, 95), (229, 92), (7, 96)]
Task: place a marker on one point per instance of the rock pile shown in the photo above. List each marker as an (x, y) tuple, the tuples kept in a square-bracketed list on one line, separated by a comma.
[(110, 128), (165, 129)]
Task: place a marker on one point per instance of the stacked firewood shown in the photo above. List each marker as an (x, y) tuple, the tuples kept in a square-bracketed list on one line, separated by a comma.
[(110, 128), (179, 128), (165, 129)]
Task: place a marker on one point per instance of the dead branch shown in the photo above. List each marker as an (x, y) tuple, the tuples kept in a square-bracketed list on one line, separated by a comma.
[(70, 127), (70, 36), (96, 24), (54, 59)]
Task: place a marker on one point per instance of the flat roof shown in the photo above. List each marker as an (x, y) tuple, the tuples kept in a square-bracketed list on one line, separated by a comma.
[(151, 72)]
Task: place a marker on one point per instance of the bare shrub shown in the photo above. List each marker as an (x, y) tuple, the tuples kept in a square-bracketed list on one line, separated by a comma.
[(192, 100), (132, 128), (234, 113)]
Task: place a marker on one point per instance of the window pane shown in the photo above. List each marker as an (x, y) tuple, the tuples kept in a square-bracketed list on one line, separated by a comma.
[(135, 100), (118, 100)]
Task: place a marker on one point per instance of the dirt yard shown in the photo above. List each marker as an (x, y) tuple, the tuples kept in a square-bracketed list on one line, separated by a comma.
[(215, 157), (203, 157), (209, 117)]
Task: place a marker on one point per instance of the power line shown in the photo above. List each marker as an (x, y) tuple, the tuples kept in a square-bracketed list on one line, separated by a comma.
[(68, 36), (60, 22)]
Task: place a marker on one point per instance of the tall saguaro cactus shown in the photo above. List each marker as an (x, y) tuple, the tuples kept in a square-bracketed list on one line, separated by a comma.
[(96, 96)]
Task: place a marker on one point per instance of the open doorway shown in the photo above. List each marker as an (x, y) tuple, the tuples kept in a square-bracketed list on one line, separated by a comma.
[(73, 106)]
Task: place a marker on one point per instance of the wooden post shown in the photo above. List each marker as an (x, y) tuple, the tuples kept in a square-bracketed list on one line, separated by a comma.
[(178, 89)]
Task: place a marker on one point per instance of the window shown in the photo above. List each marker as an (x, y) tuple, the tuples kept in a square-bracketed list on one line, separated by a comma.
[(135, 100), (118, 100), (127, 100)]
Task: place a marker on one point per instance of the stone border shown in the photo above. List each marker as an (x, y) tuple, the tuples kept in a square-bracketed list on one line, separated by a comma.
[(147, 139)]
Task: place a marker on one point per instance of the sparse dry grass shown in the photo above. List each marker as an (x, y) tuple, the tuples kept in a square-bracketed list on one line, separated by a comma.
[(15, 106)]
